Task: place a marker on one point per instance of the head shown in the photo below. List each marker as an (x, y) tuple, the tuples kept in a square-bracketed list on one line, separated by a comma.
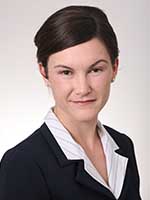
[(77, 55), (71, 26)]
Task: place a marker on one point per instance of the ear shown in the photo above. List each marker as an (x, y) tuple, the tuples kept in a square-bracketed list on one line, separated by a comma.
[(42, 72), (115, 69)]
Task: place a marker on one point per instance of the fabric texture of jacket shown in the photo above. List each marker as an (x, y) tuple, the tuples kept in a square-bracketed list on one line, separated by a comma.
[(37, 169)]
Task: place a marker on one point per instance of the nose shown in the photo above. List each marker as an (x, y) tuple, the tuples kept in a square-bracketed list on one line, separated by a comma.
[(82, 85)]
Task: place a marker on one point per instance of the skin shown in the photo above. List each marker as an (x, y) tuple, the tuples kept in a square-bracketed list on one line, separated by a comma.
[(80, 79)]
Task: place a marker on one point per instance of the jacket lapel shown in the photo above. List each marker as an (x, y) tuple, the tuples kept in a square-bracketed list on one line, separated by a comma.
[(81, 176), (123, 157)]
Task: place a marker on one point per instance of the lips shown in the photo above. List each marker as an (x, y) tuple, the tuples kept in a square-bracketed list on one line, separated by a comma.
[(84, 102)]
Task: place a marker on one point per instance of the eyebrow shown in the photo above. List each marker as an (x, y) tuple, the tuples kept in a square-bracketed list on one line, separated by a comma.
[(91, 66)]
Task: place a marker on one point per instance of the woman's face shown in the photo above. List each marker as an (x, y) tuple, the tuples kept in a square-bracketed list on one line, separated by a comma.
[(80, 78)]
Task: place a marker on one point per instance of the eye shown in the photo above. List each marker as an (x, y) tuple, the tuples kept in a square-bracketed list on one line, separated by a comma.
[(65, 72), (96, 70)]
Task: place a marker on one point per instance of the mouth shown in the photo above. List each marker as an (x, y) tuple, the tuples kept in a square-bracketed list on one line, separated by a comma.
[(85, 102)]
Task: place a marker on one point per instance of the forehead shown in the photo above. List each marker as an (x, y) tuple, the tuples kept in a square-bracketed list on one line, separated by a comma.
[(82, 54)]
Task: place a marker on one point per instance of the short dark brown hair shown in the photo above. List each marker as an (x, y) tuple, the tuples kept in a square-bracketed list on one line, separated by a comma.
[(71, 26)]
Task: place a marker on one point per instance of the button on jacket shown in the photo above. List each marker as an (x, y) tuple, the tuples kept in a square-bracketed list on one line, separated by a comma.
[(37, 169)]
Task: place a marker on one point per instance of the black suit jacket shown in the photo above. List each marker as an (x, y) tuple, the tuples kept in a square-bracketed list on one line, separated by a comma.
[(37, 169)]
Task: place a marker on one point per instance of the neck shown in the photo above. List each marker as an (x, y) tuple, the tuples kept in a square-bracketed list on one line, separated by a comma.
[(84, 133)]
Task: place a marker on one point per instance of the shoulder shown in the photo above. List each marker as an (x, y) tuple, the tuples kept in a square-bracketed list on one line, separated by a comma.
[(22, 167), (27, 150)]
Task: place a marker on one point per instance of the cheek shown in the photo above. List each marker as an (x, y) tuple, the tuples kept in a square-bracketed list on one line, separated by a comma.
[(102, 83), (59, 89)]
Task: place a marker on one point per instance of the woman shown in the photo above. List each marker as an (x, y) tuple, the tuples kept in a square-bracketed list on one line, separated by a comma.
[(72, 155)]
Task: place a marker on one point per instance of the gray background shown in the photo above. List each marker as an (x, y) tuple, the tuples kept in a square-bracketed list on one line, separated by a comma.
[(24, 99)]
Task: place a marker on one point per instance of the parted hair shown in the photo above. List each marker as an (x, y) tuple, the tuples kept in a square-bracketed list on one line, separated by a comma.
[(71, 26)]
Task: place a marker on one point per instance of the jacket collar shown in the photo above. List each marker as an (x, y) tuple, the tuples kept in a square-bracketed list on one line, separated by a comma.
[(82, 176)]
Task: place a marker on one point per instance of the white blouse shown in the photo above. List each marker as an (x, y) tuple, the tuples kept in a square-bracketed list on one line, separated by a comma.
[(116, 164)]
